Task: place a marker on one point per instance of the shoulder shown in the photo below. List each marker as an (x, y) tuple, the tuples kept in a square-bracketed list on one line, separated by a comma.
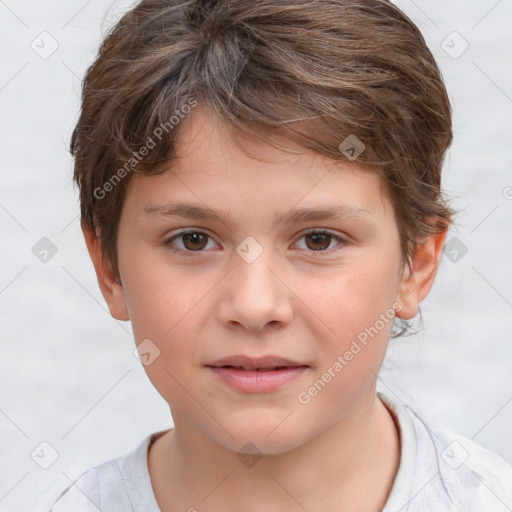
[(81, 496), (100, 488), (117, 485), (472, 477), (470, 471)]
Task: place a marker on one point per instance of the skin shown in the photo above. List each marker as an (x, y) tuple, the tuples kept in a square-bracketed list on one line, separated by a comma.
[(341, 450)]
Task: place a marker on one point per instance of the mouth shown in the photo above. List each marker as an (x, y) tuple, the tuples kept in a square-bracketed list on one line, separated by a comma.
[(269, 362), (256, 375), (257, 369)]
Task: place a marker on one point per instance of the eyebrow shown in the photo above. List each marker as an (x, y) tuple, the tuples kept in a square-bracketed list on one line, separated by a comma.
[(199, 212)]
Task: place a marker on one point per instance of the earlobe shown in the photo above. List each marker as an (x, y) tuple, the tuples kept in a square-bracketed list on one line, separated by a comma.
[(417, 282), (111, 289)]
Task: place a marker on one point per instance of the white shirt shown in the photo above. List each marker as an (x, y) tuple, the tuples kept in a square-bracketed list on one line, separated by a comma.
[(438, 472)]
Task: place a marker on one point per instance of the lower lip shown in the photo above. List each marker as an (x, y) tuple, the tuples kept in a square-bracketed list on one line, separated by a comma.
[(252, 381)]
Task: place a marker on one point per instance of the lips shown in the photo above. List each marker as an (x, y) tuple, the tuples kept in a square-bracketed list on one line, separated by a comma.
[(256, 375), (265, 363), (254, 369)]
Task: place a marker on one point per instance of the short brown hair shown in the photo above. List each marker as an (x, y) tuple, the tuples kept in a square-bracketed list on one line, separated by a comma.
[(335, 68)]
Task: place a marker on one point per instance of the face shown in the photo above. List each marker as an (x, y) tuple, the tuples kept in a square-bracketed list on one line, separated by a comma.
[(269, 321)]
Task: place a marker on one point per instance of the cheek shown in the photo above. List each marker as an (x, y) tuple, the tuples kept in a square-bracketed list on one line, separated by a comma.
[(358, 307), (354, 299), (167, 310), (169, 306), (161, 298)]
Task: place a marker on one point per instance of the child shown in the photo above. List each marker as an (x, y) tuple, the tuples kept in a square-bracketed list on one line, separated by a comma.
[(221, 145)]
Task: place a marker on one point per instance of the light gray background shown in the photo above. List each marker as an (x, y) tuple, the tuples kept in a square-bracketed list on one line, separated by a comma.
[(68, 373)]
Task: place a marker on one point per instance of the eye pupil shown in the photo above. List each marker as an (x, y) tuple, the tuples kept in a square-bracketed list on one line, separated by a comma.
[(196, 238), (318, 238)]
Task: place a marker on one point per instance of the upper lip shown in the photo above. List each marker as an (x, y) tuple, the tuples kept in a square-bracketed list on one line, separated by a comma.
[(253, 363)]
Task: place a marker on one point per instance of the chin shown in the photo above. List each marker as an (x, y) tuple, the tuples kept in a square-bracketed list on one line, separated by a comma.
[(262, 437)]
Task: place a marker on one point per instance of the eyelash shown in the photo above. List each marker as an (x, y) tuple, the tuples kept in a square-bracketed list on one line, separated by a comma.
[(319, 253)]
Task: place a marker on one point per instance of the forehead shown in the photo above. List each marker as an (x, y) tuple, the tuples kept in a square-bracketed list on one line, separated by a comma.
[(221, 169)]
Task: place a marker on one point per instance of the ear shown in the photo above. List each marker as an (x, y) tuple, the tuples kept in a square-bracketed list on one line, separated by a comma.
[(111, 289), (416, 283)]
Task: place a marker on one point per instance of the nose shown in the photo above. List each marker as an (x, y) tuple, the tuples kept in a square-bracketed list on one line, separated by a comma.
[(255, 295)]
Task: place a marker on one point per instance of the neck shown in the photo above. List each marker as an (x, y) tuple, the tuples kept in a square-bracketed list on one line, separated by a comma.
[(353, 461)]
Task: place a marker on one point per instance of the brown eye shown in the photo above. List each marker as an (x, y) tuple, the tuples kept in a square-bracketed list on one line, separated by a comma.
[(194, 241), (188, 243), (318, 241)]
